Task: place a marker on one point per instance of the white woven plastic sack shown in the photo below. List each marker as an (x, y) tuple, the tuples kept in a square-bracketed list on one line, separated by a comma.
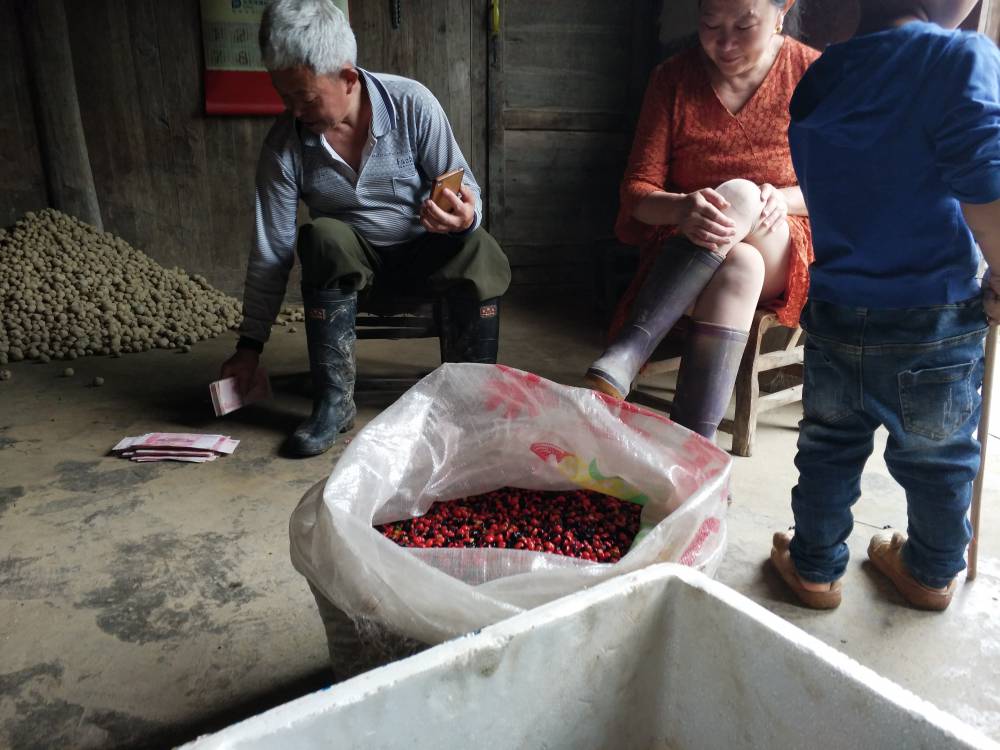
[(467, 429)]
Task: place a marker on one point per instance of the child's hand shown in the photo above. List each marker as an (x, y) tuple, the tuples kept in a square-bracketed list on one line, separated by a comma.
[(991, 297)]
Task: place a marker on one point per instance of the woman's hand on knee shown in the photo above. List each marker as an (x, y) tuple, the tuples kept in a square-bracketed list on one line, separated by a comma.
[(704, 222), (775, 208)]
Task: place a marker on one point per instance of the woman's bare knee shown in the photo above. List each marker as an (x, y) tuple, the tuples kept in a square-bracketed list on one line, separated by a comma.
[(745, 205)]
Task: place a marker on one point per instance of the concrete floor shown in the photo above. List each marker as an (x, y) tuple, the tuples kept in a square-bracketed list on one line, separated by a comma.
[(144, 604)]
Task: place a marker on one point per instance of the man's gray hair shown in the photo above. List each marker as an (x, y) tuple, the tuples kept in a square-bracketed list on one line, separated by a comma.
[(314, 33)]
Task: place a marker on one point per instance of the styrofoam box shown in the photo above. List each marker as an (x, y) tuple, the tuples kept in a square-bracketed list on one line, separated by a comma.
[(664, 658)]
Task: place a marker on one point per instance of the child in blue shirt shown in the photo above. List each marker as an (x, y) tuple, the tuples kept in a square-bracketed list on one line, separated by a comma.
[(895, 137)]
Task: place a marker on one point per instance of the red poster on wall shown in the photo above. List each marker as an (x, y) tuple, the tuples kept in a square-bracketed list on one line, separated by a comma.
[(236, 82)]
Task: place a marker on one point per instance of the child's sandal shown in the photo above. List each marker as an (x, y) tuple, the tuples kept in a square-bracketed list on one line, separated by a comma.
[(782, 561), (886, 552)]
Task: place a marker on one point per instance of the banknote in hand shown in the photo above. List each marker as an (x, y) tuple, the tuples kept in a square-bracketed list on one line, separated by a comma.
[(226, 396)]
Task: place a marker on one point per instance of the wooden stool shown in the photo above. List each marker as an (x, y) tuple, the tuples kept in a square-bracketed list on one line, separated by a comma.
[(399, 317), (749, 402)]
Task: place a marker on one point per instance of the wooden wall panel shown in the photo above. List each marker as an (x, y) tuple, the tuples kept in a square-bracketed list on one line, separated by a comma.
[(22, 180), (561, 193), (174, 183), (568, 66), (111, 109), (562, 187), (569, 76)]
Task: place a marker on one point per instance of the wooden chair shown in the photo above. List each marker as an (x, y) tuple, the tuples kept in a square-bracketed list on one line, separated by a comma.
[(749, 401), (399, 317)]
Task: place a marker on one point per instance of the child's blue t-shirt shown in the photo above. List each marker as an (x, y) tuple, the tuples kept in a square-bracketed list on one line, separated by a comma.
[(890, 131)]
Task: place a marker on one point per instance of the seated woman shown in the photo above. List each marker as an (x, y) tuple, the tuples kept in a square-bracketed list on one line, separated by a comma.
[(711, 198)]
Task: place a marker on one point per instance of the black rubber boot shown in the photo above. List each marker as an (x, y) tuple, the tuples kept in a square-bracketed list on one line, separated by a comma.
[(709, 366), (330, 334), (679, 275), (471, 330)]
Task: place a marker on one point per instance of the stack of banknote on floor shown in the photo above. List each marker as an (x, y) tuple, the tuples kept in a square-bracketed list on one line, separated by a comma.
[(175, 446)]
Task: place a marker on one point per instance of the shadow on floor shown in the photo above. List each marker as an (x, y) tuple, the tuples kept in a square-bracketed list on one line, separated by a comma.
[(178, 735)]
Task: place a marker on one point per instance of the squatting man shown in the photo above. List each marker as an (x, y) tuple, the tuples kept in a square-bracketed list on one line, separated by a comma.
[(361, 151)]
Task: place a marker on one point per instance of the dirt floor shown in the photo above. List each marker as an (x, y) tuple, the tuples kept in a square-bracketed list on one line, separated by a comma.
[(145, 604)]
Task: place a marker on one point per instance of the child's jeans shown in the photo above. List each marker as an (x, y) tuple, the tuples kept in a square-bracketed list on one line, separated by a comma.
[(918, 372)]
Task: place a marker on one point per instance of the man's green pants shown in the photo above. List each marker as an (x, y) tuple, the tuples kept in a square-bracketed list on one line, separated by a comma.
[(334, 256)]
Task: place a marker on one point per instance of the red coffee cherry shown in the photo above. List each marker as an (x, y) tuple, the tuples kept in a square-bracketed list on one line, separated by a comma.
[(576, 523)]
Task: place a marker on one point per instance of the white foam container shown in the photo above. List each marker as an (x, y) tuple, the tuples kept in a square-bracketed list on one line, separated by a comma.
[(664, 658)]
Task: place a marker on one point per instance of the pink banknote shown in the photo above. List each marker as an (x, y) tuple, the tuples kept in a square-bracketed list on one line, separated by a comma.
[(226, 397)]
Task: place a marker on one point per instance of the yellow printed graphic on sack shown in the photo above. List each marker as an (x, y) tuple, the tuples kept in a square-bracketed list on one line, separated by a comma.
[(587, 475)]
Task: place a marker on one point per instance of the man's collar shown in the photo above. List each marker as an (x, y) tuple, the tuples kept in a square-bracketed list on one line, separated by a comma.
[(383, 113)]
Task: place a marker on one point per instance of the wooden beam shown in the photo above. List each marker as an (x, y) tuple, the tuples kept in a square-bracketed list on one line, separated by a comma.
[(661, 366), (581, 121), (69, 179), (989, 19), (495, 116), (781, 398), (479, 81), (780, 358)]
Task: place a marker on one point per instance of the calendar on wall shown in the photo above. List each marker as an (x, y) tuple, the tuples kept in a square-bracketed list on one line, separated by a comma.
[(236, 82)]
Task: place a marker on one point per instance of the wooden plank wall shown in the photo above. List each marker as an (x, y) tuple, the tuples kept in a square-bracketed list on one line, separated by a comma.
[(171, 181), (22, 180), (573, 75)]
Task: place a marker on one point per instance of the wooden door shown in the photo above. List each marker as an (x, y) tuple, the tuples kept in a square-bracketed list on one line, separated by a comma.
[(566, 78)]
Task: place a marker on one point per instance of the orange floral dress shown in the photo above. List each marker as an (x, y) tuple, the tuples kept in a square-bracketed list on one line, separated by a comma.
[(686, 139)]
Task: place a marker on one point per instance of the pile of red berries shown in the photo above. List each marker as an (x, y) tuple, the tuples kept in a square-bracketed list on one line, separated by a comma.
[(576, 523)]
